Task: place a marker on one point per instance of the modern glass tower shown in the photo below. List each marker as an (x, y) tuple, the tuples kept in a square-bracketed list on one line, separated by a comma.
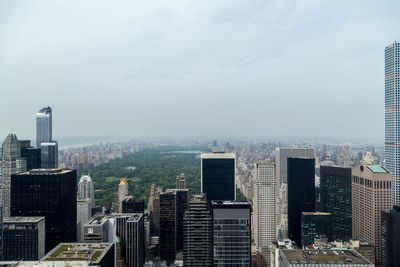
[(218, 176), (44, 127), (392, 116)]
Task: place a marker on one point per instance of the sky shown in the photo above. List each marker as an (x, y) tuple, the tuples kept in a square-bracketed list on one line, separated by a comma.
[(210, 68)]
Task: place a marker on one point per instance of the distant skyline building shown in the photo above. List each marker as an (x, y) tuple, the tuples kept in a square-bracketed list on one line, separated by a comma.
[(391, 237), (231, 233), (23, 238), (264, 206), (218, 176), (44, 126), (197, 233), (86, 190), (48, 193), (301, 193), (371, 193), (335, 184), (392, 116), (11, 163)]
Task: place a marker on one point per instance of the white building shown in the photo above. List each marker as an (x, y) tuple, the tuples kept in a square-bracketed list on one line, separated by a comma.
[(86, 190)]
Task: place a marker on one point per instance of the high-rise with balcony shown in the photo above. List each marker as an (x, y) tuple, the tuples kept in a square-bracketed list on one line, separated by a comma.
[(392, 116), (264, 206)]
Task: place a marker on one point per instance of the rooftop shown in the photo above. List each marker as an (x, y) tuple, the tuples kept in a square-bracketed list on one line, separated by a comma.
[(135, 217), (98, 219), (23, 219), (44, 111), (44, 264), (45, 171), (227, 203), (218, 155), (93, 252), (376, 169), (326, 256), (315, 213)]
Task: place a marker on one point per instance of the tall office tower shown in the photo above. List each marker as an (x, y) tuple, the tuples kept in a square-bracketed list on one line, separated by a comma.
[(197, 233), (301, 193), (264, 204), (135, 238), (181, 181), (218, 176), (167, 234), (84, 213), (231, 233), (32, 155), (392, 115), (181, 202), (121, 195), (371, 193), (315, 224), (86, 190), (347, 155), (335, 183), (48, 193), (133, 205), (154, 209), (283, 153), (281, 215), (391, 237), (44, 127), (49, 155), (23, 238), (11, 162)]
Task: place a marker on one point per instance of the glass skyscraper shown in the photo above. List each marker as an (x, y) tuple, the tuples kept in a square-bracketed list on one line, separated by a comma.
[(392, 116), (44, 127)]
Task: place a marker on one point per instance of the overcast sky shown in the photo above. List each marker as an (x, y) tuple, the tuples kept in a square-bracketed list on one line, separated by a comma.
[(196, 68)]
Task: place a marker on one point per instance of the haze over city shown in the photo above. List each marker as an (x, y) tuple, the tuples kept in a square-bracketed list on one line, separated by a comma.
[(196, 68)]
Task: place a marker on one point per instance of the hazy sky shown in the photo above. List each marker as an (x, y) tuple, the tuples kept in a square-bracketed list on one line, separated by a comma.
[(196, 68)]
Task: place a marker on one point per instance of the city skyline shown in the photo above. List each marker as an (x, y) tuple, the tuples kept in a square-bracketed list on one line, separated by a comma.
[(182, 68)]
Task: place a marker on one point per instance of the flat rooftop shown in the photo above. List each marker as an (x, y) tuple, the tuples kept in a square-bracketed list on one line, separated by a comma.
[(135, 217), (376, 169), (44, 264), (315, 213), (23, 219), (228, 203), (98, 219), (324, 256), (89, 252), (218, 155), (45, 172)]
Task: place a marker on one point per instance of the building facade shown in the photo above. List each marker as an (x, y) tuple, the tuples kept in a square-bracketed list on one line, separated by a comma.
[(86, 190), (390, 237), (335, 184), (301, 193), (167, 241), (218, 176), (231, 233), (133, 205), (181, 181), (44, 126), (135, 240), (48, 193), (315, 224), (371, 193), (392, 116), (197, 233)]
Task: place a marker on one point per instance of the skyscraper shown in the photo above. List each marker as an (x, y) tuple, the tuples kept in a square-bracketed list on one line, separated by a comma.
[(335, 183), (154, 209), (133, 205), (11, 162), (218, 176), (181, 181), (391, 237), (315, 224), (167, 241), (44, 139), (48, 193), (135, 240), (231, 233), (181, 201), (264, 205), (371, 193), (44, 126), (197, 233), (392, 116), (301, 193), (86, 190), (283, 153), (32, 155)]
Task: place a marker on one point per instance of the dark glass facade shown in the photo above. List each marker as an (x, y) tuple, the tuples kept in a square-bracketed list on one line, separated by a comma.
[(218, 178), (231, 233), (33, 157), (315, 224), (301, 193), (182, 196), (134, 242), (335, 184), (51, 194), (133, 205), (167, 226), (390, 230), (23, 238)]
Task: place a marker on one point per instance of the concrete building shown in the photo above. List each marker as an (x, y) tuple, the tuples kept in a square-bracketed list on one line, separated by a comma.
[(23, 238), (86, 190), (197, 233), (264, 205), (11, 163), (181, 181), (96, 229), (83, 211), (371, 193), (392, 116), (96, 254), (231, 233), (218, 176), (320, 258)]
